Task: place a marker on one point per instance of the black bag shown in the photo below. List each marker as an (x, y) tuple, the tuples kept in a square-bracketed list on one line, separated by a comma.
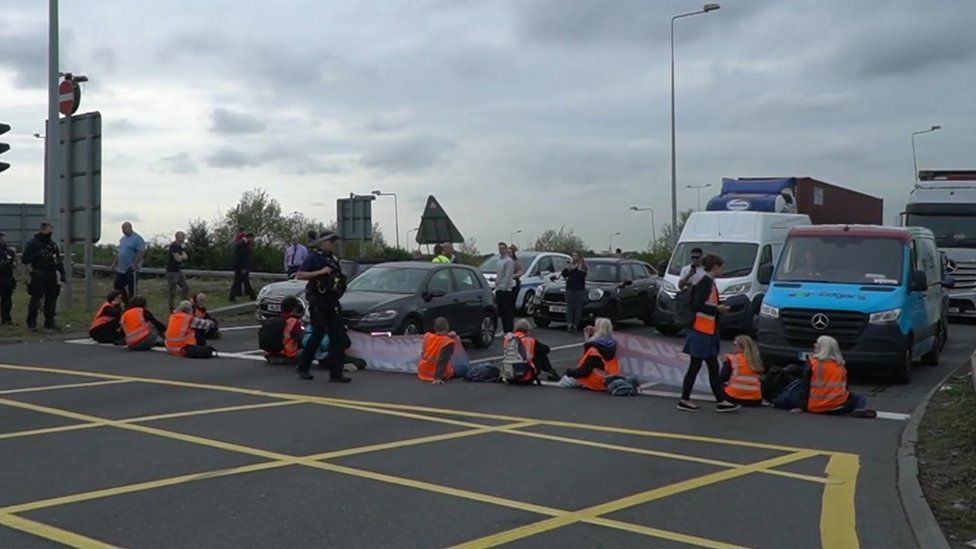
[(683, 314), (271, 335), (777, 378)]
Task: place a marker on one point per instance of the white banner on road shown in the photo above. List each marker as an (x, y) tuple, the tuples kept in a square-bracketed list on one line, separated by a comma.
[(655, 362), (394, 353)]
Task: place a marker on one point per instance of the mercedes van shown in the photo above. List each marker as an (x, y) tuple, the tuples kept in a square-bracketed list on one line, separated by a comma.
[(749, 242), (879, 291)]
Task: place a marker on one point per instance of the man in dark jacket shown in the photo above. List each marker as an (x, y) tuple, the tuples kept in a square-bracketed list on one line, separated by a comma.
[(7, 283), (243, 259), (46, 275)]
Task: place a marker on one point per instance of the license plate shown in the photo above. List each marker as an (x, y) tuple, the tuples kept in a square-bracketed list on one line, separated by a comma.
[(274, 308), (803, 356), (557, 308), (953, 309)]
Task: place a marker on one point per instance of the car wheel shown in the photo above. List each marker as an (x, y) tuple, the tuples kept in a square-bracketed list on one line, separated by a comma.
[(613, 313), (931, 358), (903, 369), (486, 335), (531, 303), (412, 327), (541, 322)]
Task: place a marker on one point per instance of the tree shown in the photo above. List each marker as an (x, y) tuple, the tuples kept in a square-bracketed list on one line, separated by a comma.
[(469, 247), (257, 213), (563, 240)]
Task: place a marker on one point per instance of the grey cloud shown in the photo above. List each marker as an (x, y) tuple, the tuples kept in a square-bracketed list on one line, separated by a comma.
[(227, 121), (25, 52), (912, 52), (410, 156), (180, 163), (232, 158), (121, 125)]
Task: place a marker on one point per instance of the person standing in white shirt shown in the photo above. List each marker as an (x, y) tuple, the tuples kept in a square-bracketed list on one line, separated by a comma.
[(693, 273), (505, 288), (295, 255)]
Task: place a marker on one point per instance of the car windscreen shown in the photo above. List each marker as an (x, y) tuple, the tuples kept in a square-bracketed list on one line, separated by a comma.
[(951, 231), (490, 265), (842, 260), (739, 257), (601, 272), (394, 280)]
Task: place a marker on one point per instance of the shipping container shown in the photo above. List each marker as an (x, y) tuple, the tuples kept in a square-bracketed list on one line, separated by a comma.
[(824, 202)]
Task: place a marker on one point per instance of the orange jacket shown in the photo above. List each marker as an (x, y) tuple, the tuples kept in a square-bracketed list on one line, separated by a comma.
[(101, 318), (433, 345), (292, 346), (596, 380), (828, 386), (704, 322), (745, 383), (180, 333), (135, 326), (527, 341)]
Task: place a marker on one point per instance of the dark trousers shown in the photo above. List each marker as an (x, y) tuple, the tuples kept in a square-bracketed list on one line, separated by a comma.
[(541, 358), (198, 351), (43, 288), (125, 282), (6, 299), (505, 301), (714, 380), (325, 320), (241, 285), (107, 333)]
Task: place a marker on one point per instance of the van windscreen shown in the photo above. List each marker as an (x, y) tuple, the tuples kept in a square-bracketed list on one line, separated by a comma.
[(842, 260), (739, 257)]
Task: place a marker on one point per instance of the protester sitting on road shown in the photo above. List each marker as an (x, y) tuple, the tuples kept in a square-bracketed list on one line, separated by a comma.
[(599, 359), (826, 380), (106, 327), (532, 353), (140, 327), (702, 344), (200, 311), (742, 373), (436, 364), (439, 256), (183, 333), (292, 333)]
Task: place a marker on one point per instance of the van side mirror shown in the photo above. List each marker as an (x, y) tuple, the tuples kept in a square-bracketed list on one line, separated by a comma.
[(920, 282), (662, 267), (765, 274), (949, 282)]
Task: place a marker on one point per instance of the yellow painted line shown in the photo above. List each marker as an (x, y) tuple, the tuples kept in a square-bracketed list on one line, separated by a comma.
[(837, 514), (208, 411), (664, 534), (49, 430), (52, 533), (631, 501), (64, 386)]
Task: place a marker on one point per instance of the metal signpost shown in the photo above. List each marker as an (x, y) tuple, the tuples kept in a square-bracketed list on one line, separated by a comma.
[(355, 219), (20, 221)]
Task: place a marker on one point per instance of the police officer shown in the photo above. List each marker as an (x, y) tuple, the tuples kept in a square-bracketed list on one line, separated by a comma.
[(7, 283), (44, 258), (326, 283)]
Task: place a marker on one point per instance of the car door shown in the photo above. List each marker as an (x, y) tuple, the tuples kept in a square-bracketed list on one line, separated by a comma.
[(930, 263), (627, 293), (445, 305), (646, 285), (470, 297)]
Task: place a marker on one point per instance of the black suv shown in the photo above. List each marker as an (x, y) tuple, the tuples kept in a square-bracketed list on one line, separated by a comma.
[(616, 288)]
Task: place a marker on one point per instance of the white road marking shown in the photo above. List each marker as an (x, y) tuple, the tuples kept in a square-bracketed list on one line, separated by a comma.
[(240, 328), (556, 348)]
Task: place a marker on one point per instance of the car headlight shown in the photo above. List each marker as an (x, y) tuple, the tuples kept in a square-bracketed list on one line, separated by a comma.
[(737, 289), (884, 317), (380, 316), (670, 288), (595, 295), (263, 292), (768, 311)]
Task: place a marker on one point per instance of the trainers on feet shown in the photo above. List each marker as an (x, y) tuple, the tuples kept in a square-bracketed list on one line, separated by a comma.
[(305, 375), (687, 406), (340, 379), (867, 414), (723, 407)]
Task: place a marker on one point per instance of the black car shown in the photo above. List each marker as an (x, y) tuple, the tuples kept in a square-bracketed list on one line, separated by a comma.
[(617, 289), (405, 297)]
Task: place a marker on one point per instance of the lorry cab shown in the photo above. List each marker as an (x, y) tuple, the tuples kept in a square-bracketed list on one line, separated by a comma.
[(877, 290), (749, 242)]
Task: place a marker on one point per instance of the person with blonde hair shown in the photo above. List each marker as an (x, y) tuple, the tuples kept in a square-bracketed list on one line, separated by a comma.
[(599, 360), (825, 378), (742, 373)]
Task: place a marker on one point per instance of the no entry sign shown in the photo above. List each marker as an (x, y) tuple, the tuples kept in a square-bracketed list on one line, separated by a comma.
[(69, 97)]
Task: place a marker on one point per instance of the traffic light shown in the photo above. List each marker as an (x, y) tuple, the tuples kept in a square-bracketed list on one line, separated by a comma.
[(4, 147)]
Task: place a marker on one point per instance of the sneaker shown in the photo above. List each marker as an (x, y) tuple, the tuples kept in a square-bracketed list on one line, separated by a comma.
[(554, 377), (340, 379), (305, 375), (687, 406), (724, 407)]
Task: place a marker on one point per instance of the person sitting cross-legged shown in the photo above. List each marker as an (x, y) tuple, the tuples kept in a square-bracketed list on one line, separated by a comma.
[(292, 333), (531, 352), (436, 359), (599, 360), (140, 327), (106, 326), (183, 335)]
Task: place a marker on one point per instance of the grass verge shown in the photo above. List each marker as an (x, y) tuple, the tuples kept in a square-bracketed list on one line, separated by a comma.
[(946, 454)]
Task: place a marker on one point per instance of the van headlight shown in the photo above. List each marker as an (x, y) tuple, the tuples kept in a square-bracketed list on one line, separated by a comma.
[(670, 288), (380, 316), (768, 311), (737, 289), (884, 317), (595, 295)]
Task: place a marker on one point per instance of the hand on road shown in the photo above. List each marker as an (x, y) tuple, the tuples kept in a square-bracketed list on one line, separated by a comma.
[(437, 382)]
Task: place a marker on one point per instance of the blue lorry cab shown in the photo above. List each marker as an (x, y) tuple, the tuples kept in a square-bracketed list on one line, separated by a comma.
[(878, 290)]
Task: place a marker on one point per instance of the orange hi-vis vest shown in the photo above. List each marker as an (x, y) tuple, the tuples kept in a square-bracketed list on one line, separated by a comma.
[(180, 333), (527, 342), (745, 383), (291, 345), (704, 322), (828, 386), (433, 345), (101, 318), (199, 313), (596, 381), (135, 326)]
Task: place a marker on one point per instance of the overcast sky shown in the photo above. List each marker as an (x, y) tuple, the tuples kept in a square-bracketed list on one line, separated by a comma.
[(520, 114)]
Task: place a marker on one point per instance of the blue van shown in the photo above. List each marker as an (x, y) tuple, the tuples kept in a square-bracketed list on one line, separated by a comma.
[(879, 291)]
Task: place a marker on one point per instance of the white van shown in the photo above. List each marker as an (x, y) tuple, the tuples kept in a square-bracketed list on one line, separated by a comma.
[(750, 244)]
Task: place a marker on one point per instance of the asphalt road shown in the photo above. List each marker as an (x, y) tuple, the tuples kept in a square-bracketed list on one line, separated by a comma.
[(102, 446)]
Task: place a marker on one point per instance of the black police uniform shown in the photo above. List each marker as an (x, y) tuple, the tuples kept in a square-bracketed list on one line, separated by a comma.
[(7, 282), (44, 257), (323, 295)]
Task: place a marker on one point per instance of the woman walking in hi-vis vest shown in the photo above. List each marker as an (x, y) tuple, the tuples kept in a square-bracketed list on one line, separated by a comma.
[(702, 344)]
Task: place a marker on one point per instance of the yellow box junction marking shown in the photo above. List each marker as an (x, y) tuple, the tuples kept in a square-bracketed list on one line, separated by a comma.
[(838, 527)]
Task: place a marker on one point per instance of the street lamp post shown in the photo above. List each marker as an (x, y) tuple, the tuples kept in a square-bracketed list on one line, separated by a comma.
[(611, 240), (699, 189), (653, 224), (413, 231), (674, 170), (914, 153), (396, 214)]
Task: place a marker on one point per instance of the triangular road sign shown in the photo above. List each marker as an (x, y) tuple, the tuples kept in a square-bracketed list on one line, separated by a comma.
[(436, 226)]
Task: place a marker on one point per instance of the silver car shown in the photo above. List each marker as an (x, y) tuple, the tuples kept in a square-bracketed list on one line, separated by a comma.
[(270, 297)]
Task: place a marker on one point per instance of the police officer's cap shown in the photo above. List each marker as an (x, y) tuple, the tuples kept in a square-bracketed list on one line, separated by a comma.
[(328, 235)]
